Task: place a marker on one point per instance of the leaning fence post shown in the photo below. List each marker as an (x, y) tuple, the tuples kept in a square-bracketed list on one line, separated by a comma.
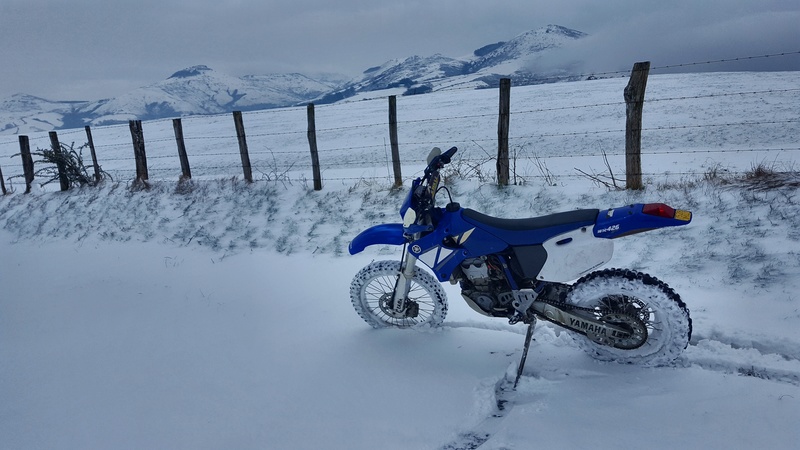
[(94, 155), (137, 136), (398, 178), (186, 171), (62, 170), (27, 161), (634, 104), (312, 143), (502, 132), (246, 168), (2, 182)]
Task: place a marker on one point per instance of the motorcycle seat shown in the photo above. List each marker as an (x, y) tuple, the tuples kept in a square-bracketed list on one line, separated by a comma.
[(578, 217)]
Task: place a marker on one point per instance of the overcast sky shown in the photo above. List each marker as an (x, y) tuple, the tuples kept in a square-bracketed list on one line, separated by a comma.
[(93, 49)]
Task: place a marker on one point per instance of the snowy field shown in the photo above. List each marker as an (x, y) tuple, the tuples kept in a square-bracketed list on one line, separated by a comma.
[(217, 315), (691, 123)]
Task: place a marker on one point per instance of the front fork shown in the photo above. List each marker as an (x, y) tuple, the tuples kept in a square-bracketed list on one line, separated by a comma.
[(403, 286)]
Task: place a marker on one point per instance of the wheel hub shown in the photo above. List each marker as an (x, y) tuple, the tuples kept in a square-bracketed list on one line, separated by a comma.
[(387, 306), (636, 328)]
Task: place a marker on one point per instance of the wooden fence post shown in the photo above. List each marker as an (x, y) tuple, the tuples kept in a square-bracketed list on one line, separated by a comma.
[(137, 136), (27, 162), (312, 143), (62, 170), (246, 168), (502, 132), (186, 171), (2, 182), (398, 178), (94, 155), (634, 104)]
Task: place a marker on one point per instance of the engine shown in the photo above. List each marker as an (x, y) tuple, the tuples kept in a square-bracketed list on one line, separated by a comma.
[(485, 288)]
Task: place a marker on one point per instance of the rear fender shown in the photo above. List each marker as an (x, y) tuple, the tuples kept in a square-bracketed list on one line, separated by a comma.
[(387, 233), (618, 222)]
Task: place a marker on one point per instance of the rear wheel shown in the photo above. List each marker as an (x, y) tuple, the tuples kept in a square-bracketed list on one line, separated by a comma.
[(656, 317), (372, 289)]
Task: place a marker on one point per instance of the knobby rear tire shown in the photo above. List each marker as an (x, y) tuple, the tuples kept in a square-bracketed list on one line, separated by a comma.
[(665, 315)]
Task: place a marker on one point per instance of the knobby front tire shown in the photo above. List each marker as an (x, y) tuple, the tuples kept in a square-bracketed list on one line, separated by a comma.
[(371, 292)]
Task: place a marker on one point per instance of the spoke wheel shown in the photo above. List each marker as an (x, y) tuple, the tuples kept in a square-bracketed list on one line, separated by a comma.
[(371, 293), (655, 315)]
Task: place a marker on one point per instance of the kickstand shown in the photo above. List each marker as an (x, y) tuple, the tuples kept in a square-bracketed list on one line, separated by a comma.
[(528, 336)]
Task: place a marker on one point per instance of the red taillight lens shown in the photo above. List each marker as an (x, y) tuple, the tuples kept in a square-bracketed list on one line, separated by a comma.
[(659, 209)]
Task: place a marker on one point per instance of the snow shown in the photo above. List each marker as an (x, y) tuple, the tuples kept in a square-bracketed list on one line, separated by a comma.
[(195, 90), (217, 315)]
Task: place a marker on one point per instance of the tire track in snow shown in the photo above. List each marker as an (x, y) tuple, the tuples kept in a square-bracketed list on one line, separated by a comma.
[(784, 348), (491, 326), (502, 395), (769, 361), (777, 361), (483, 431)]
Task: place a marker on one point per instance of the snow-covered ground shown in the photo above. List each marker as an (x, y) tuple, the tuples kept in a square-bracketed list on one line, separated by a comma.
[(217, 315)]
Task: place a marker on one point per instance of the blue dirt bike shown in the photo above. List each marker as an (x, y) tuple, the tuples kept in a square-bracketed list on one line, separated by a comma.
[(519, 269)]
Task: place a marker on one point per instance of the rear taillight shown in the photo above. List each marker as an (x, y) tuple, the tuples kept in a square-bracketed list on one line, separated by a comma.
[(659, 209)]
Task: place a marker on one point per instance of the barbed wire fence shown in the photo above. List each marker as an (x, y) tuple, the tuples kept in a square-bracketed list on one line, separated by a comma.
[(279, 151)]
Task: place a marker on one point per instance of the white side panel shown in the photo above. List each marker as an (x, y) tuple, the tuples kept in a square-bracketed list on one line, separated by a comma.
[(434, 256), (429, 257), (574, 254)]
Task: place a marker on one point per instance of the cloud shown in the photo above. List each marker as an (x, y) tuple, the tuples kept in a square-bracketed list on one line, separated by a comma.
[(89, 49), (667, 38)]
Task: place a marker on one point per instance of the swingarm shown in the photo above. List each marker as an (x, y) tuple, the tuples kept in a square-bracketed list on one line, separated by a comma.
[(598, 330)]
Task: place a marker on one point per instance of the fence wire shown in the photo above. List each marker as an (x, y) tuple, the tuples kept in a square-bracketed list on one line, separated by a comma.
[(271, 155)]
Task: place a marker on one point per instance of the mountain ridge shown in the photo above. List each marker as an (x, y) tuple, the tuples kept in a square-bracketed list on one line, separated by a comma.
[(199, 89)]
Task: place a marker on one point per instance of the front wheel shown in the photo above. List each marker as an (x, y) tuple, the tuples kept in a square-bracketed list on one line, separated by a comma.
[(656, 316), (372, 289)]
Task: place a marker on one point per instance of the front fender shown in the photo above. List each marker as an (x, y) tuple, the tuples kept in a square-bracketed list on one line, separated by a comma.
[(387, 233)]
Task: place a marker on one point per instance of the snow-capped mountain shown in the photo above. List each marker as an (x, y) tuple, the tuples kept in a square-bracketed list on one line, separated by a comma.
[(22, 112), (191, 91), (525, 48), (516, 59), (201, 90)]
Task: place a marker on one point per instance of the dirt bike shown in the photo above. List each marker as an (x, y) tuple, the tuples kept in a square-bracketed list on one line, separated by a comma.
[(520, 269)]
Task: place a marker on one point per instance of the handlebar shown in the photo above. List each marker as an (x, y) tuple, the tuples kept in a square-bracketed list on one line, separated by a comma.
[(440, 160), (448, 155), (422, 197)]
